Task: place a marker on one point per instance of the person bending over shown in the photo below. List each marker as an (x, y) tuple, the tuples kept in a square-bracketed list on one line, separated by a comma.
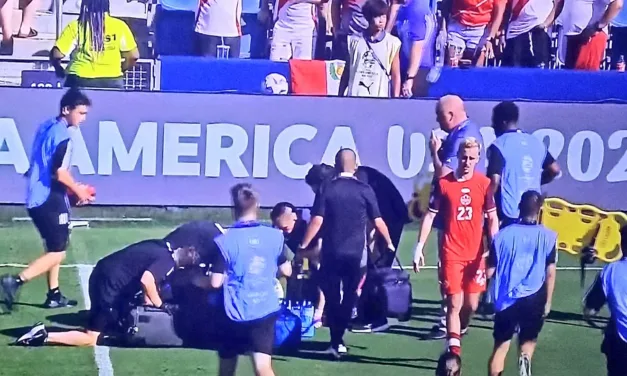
[(113, 284)]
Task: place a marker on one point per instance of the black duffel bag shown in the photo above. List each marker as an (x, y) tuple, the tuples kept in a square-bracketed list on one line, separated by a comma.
[(390, 288), (147, 326)]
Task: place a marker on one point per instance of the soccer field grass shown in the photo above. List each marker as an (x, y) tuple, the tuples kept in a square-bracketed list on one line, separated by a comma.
[(568, 346)]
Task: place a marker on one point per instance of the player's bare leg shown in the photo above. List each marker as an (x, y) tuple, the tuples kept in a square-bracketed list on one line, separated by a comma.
[(53, 277), (526, 353), (471, 302), (496, 364), (43, 264), (453, 323)]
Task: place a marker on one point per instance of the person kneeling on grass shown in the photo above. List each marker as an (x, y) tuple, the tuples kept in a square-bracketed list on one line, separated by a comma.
[(114, 282)]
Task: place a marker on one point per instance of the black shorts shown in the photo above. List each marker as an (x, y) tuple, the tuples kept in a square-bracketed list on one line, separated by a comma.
[(52, 219), (104, 314), (615, 350), (524, 317), (530, 49), (238, 338)]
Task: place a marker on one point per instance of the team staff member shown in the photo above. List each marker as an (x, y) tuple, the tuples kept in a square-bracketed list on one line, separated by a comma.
[(286, 217), (197, 234), (49, 179), (517, 162), (522, 260), (345, 207), (391, 203), (452, 117), (100, 42), (113, 283), (610, 287), (463, 197), (252, 254)]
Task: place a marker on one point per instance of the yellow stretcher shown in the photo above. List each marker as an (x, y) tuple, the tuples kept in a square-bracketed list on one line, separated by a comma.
[(578, 226)]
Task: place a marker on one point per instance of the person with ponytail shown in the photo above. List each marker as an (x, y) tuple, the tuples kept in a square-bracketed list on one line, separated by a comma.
[(252, 255), (102, 47)]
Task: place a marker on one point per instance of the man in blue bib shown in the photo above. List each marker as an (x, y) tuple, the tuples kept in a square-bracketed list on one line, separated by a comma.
[(517, 162), (49, 179), (522, 261), (611, 287)]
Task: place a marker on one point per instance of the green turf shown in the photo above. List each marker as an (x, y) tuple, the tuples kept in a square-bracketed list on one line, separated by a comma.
[(568, 346)]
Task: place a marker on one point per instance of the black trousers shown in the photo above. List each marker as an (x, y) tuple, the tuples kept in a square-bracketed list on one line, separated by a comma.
[(207, 45), (528, 50), (340, 273), (615, 350)]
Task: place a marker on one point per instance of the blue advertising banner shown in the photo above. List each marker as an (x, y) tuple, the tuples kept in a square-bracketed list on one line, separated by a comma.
[(156, 148), (192, 73)]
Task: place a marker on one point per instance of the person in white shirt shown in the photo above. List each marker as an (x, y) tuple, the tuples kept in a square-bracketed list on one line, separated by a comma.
[(218, 29), (527, 39), (373, 65), (585, 24), (293, 33)]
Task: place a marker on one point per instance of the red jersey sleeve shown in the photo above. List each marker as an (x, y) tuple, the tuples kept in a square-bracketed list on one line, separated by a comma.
[(489, 205), (436, 197)]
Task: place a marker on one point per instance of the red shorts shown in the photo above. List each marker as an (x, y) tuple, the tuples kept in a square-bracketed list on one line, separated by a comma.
[(463, 276), (586, 54)]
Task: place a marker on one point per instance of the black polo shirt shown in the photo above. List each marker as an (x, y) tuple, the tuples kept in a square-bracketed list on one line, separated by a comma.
[(120, 273), (347, 206)]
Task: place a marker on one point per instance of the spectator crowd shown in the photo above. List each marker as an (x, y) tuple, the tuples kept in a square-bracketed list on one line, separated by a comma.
[(383, 42)]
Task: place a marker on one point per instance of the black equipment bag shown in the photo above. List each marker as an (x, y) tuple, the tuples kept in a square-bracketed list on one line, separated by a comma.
[(147, 326), (391, 289)]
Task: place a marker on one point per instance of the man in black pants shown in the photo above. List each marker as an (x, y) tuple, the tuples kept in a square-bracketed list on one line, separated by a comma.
[(610, 287), (113, 285), (345, 206)]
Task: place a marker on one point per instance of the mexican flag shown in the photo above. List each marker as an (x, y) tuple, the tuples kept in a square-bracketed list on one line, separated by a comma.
[(315, 77)]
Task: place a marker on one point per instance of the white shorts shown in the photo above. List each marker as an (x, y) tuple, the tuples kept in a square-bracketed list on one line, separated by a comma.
[(287, 44), (465, 37)]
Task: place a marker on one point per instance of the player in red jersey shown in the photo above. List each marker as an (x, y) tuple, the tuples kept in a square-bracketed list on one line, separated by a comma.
[(463, 196)]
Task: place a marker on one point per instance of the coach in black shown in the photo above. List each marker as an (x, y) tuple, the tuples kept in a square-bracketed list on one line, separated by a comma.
[(113, 284), (345, 206)]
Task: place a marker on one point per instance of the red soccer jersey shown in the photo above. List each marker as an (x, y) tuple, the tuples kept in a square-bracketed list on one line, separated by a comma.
[(462, 205)]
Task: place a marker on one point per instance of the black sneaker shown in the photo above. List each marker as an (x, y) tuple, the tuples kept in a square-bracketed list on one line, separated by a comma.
[(59, 301), (9, 287), (370, 328), (36, 336), (437, 332)]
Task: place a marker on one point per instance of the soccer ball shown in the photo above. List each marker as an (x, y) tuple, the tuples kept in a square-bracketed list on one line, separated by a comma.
[(275, 83)]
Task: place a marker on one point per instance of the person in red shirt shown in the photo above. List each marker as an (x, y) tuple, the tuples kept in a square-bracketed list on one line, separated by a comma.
[(464, 197)]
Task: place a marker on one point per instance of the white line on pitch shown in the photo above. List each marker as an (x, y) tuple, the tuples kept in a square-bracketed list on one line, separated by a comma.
[(101, 353)]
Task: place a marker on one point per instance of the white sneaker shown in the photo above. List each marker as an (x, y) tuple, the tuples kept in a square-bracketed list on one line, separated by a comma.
[(337, 351), (524, 365)]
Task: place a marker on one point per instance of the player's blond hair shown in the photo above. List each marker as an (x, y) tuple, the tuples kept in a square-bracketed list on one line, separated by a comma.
[(469, 143)]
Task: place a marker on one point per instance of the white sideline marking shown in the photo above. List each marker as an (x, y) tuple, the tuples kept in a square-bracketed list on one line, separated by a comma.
[(101, 353), (429, 267)]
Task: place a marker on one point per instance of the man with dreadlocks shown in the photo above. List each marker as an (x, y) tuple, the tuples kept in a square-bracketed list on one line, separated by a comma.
[(100, 41)]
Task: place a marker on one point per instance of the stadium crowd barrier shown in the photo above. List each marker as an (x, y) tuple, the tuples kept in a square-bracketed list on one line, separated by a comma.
[(187, 149), (194, 74)]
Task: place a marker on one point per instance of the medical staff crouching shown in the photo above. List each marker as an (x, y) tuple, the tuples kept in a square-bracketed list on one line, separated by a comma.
[(252, 254)]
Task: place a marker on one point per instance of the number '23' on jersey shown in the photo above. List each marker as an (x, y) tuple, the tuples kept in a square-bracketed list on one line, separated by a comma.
[(462, 204)]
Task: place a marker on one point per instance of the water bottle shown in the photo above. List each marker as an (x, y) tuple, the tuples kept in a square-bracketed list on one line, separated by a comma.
[(620, 64), (307, 313)]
